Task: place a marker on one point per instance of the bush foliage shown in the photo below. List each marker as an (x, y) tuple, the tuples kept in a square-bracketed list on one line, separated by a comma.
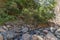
[(37, 10)]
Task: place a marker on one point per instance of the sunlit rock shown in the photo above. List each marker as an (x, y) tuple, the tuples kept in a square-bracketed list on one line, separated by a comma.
[(1, 37), (2, 30), (37, 37)]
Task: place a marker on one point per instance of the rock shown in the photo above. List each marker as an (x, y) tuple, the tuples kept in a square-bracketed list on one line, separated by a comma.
[(37, 37), (32, 32), (2, 30), (52, 29), (4, 27), (1, 37), (26, 36), (45, 31), (11, 34), (57, 33), (17, 30), (24, 29), (50, 36), (4, 35), (36, 31), (15, 39), (9, 26)]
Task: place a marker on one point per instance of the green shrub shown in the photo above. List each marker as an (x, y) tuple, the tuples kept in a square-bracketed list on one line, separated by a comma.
[(40, 11)]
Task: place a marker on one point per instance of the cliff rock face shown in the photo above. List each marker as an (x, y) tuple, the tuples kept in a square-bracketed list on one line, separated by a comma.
[(57, 12)]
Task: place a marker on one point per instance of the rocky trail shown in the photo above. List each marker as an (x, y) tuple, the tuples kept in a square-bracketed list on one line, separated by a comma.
[(11, 31)]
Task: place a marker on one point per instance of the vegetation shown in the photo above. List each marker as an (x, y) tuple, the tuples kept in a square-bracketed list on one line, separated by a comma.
[(28, 10)]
